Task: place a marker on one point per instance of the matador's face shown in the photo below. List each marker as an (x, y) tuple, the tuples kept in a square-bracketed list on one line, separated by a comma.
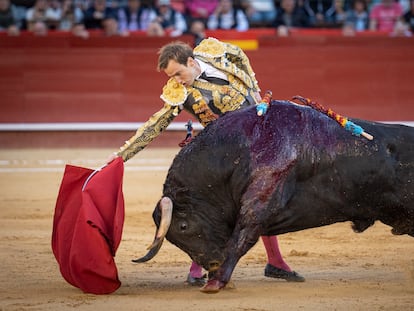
[(183, 74)]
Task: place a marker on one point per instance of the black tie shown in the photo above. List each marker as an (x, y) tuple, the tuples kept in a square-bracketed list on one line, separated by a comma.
[(213, 80)]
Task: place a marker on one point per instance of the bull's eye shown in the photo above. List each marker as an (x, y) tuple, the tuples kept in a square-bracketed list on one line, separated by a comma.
[(183, 226)]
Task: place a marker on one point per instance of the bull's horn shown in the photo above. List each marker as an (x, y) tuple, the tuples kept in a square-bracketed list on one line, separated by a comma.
[(166, 206), (151, 254)]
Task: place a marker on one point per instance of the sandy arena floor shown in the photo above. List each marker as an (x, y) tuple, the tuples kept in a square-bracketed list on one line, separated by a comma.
[(344, 270)]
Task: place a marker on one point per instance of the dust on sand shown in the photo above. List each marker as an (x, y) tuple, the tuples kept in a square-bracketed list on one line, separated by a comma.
[(373, 270)]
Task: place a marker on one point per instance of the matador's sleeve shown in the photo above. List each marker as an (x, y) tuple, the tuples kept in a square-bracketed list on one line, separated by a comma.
[(229, 58), (174, 95), (237, 56), (157, 123)]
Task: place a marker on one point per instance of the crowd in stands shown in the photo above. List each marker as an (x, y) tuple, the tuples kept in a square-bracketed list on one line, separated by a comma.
[(176, 17)]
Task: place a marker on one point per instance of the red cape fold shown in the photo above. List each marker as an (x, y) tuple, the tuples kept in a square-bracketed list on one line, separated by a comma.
[(87, 227)]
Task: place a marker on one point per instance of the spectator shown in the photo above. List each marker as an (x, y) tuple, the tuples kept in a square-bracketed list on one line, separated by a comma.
[(290, 15), (179, 6), (357, 18), (408, 17), (168, 21), (55, 7), (227, 17), (41, 16), (405, 4), (197, 29), (83, 4), (335, 15), (260, 13), (72, 19), (244, 5), (135, 16), (401, 29), (199, 9), (316, 10), (384, 16), (115, 4), (20, 8), (99, 16), (8, 18), (39, 29)]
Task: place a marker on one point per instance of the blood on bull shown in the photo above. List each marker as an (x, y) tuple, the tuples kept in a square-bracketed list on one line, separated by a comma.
[(290, 169)]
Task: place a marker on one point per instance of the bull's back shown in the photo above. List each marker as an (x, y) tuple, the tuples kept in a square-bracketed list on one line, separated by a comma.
[(290, 133), (330, 171), (285, 126)]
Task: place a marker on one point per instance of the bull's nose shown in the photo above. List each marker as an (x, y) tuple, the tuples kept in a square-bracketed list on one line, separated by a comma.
[(213, 265)]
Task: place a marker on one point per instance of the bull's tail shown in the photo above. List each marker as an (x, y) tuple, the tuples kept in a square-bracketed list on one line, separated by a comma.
[(343, 121)]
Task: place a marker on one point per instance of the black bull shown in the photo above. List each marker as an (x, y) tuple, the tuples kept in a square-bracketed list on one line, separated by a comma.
[(294, 168)]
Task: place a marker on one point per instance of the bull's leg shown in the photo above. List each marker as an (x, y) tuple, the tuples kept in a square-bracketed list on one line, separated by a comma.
[(241, 241), (248, 229), (253, 214)]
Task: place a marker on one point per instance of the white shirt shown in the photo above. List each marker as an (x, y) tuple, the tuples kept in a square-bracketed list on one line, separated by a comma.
[(210, 71)]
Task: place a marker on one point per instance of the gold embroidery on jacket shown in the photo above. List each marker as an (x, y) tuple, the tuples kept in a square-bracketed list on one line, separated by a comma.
[(229, 58), (201, 108), (147, 132), (174, 93), (238, 85), (210, 47), (225, 97)]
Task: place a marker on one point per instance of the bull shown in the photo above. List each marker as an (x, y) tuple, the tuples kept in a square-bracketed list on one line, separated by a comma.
[(294, 168)]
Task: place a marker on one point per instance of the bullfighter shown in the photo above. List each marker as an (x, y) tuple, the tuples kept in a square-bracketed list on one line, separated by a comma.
[(213, 78)]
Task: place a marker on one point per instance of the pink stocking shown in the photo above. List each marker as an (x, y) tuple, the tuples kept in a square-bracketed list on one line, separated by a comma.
[(274, 257), (196, 270)]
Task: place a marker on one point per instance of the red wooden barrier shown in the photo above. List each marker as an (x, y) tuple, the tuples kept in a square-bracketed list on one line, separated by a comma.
[(364, 77), (66, 79)]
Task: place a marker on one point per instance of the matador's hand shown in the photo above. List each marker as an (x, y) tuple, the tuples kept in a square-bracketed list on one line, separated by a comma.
[(111, 157)]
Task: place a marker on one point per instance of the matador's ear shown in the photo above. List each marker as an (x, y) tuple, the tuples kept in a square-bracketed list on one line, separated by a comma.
[(190, 61)]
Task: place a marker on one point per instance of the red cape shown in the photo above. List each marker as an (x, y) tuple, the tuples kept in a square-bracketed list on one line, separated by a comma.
[(87, 227)]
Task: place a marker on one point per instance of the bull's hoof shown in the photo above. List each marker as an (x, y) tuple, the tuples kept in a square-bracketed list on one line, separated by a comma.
[(196, 281), (212, 287)]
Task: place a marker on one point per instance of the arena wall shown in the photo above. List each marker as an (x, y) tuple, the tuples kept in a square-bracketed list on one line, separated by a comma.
[(62, 79)]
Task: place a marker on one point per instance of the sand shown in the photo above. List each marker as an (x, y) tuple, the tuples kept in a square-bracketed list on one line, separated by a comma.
[(373, 270)]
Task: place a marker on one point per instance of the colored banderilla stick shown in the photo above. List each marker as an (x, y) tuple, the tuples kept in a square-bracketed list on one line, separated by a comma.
[(261, 108), (343, 121)]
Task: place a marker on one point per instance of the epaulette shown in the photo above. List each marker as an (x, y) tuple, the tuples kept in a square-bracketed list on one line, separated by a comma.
[(210, 47), (174, 93)]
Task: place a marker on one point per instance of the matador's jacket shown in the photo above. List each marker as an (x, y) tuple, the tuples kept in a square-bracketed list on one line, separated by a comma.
[(205, 100)]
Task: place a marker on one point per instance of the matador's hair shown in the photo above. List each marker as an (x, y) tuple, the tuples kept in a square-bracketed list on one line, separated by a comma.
[(177, 50)]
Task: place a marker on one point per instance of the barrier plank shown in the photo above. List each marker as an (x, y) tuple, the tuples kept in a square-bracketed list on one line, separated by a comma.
[(115, 80)]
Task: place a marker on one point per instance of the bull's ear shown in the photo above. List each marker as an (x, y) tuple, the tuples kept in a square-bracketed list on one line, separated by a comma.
[(181, 214), (176, 192), (182, 190), (180, 194)]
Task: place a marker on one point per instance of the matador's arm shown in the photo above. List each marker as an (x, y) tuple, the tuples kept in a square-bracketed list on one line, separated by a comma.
[(173, 95), (157, 123)]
